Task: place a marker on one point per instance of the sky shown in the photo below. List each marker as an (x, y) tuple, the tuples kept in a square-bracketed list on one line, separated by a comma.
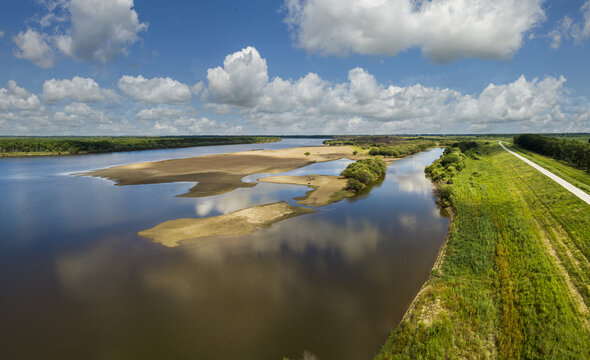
[(291, 67)]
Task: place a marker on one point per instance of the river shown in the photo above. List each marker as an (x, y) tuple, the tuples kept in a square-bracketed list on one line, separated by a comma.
[(78, 283)]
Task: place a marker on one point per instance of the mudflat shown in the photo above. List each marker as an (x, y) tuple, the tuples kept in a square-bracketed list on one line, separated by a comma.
[(240, 222), (327, 189), (218, 174)]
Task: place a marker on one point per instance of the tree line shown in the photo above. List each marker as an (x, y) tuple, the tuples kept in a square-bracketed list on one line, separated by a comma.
[(573, 152), (85, 145)]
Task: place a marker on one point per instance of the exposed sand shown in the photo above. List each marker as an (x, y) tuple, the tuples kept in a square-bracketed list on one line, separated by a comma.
[(327, 189), (240, 222), (218, 174)]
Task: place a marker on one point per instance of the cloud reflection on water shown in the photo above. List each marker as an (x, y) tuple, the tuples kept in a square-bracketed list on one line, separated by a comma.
[(351, 240)]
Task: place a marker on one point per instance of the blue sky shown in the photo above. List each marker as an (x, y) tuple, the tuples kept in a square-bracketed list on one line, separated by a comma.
[(293, 67)]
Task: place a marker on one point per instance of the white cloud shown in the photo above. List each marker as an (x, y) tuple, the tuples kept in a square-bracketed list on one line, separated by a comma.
[(241, 80), (14, 97), (33, 46), (444, 30), (101, 30), (363, 105), (156, 90), (188, 125), (158, 113), (84, 112), (86, 30), (198, 88), (581, 30), (570, 29), (78, 88), (1, 34)]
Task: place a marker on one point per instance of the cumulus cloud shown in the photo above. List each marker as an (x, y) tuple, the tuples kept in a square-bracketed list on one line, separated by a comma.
[(444, 30), (156, 90), (78, 88), (159, 113), (198, 88), (363, 105), (180, 121), (21, 112), (241, 79), (100, 30), (188, 125), (34, 47), (14, 97), (86, 30), (79, 114)]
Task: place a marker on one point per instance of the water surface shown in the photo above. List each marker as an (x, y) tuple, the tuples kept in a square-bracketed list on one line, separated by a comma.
[(78, 283)]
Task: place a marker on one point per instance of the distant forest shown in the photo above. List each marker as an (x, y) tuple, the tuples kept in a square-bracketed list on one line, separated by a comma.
[(11, 146), (574, 152)]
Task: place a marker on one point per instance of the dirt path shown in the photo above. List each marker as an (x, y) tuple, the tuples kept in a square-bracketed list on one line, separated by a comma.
[(569, 187)]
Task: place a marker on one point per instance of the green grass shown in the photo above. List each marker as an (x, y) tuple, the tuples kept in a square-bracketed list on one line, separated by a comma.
[(576, 177), (23, 146), (516, 256)]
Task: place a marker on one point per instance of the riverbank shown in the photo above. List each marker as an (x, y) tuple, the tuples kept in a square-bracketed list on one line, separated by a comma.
[(513, 279)]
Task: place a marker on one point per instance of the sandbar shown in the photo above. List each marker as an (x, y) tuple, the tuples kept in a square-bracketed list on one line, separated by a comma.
[(218, 174), (327, 188), (240, 222)]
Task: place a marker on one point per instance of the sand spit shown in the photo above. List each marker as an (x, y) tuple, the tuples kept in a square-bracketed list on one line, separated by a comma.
[(327, 189), (240, 222), (218, 174)]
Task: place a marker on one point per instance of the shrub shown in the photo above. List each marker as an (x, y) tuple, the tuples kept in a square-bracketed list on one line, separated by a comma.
[(354, 185)]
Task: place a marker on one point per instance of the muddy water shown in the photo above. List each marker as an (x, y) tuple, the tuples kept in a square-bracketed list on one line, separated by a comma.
[(78, 283)]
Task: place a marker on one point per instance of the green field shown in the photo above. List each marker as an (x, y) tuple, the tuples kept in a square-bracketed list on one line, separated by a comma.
[(514, 277), (24, 146), (576, 177)]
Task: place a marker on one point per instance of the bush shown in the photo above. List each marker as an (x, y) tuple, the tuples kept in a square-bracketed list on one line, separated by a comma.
[(354, 185)]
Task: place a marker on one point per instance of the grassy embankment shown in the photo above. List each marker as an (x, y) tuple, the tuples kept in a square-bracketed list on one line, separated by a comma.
[(24, 146), (513, 280)]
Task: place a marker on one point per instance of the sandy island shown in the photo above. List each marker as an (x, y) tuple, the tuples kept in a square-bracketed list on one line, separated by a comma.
[(240, 222), (327, 189), (218, 174)]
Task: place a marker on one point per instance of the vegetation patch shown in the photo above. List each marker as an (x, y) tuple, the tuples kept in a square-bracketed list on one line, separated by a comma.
[(401, 149), (498, 292), (14, 146), (365, 172)]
